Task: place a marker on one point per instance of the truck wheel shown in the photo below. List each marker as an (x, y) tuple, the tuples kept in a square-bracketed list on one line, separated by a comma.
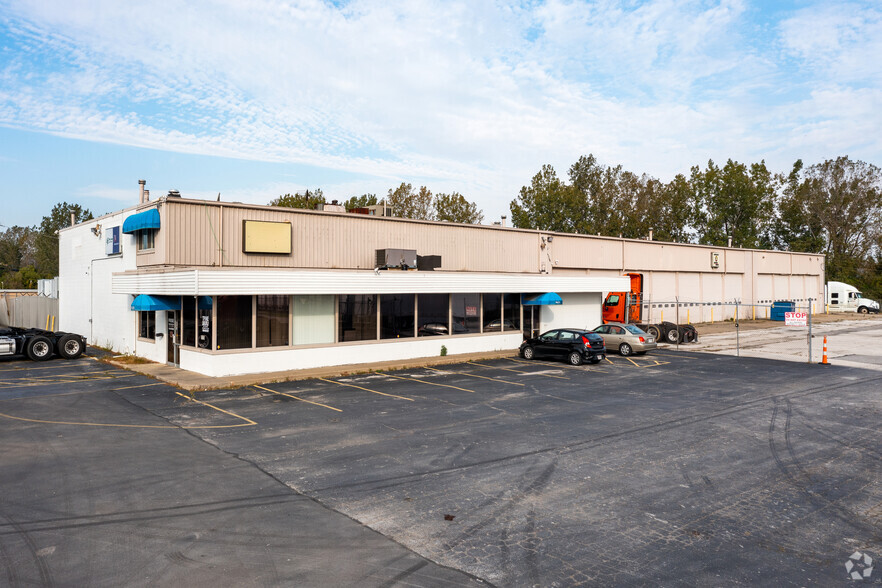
[(575, 358), (689, 335), (654, 331), (864, 310), (70, 347), (625, 349), (673, 335), (39, 348)]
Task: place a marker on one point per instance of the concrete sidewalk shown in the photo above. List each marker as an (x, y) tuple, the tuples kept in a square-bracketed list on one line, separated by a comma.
[(193, 381)]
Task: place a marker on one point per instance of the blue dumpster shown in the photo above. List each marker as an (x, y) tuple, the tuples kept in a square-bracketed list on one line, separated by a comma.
[(779, 307)]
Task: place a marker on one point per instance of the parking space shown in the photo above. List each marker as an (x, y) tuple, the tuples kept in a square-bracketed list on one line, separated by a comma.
[(671, 468)]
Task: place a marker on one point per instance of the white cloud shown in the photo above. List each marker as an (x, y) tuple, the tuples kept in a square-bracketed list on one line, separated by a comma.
[(467, 96)]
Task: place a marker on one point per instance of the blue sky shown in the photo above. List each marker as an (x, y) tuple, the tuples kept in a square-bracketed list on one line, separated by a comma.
[(257, 98)]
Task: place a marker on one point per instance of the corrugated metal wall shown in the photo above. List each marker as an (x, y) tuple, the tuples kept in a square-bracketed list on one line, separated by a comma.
[(336, 241)]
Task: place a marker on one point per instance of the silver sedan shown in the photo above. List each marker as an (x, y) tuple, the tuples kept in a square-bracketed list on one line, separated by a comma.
[(626, 339)]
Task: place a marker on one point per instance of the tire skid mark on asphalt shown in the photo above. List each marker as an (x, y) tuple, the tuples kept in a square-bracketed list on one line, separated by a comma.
[(852, 519), (610, 437), (297, 398), (42, 568)]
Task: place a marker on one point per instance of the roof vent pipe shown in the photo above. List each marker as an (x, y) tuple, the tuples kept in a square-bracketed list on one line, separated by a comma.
[(73, 219), (146, 196), (730, 241), (503, 219), (650, 234), (141, 184)]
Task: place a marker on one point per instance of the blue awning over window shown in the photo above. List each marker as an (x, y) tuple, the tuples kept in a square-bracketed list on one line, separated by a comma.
[(145, 302), (543, 300), (149, 219)]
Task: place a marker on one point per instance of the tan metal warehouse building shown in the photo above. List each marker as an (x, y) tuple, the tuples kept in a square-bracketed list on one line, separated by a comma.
[(227, 288)]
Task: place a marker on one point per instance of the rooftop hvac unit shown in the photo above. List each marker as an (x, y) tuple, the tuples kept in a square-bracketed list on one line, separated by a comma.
[(396, 258)]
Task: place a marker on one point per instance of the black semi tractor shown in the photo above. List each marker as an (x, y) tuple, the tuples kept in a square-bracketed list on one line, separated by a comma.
[(40, 345)]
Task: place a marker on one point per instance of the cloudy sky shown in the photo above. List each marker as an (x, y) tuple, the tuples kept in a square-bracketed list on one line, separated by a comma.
[(256, 98)]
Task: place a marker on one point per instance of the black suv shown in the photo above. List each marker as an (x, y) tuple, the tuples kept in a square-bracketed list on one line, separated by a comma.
[(574, 345)]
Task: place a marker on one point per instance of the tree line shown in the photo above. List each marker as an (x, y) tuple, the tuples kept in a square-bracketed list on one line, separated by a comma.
[(28, 254), (834, 207), (404, 201)]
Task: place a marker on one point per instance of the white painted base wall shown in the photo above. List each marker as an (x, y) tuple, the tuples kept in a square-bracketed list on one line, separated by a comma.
[(252, 362), (578, 311)]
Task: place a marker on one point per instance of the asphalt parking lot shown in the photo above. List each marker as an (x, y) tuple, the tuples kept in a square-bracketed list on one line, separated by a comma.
[(675, 468)]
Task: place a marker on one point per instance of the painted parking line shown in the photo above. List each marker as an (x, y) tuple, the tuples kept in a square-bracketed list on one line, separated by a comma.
[(366, 389), (297, 398), (140, 386), (424, 382), (581, 368), (32, 367), (77, 381), (248, 422), (475, 376), (493, 367)]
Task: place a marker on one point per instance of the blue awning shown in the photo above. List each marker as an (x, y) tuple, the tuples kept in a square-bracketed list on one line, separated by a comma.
[(145, 302), (149, 219), (543, 300), (204, 303)]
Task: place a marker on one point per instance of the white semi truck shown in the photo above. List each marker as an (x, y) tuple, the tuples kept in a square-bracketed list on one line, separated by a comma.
[(843, 297)]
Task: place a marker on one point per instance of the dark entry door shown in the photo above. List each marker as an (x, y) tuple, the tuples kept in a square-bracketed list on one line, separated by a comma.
[(172, 337)]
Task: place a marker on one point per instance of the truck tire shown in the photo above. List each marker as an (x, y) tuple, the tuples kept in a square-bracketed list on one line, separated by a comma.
[(673, 335), (864, 310), (39, 348), (654, 331), (70, 347), (690, 335)]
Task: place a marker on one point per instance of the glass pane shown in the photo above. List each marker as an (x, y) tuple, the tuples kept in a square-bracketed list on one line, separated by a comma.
[(358, 317), (203, 326), (314, 320), (512, 312), (433, 312), (147, 324), (492, 313), (272, 320), (466, 318), (396, 316), (233, 322), (188, 321)]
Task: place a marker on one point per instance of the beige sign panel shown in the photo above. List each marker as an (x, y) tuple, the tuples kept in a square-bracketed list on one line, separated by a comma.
[(266, 237)]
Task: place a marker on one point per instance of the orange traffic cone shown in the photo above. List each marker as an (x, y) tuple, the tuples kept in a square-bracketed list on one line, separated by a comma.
[(824, 357)]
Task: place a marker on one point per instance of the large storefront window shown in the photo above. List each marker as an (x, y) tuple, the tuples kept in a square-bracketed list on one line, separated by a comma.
[(466, 313), (147, 324), (358, 317), (512, 311), (492, 312), (433, 314), (396, 316), (233, 322), (188, 321), (272, 320), (314, 320)]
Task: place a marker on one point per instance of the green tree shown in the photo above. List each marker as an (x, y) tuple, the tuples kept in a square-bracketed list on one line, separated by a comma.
[(307, 200), (362, 201), (46, 242), (406, 203), (548, 204), (17, 248), (844, 198), (455, 208), (734, 201)]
